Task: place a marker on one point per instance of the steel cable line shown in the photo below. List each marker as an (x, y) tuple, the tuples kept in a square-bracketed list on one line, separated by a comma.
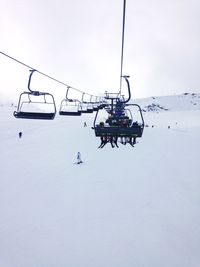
[(46, 75), (122, 48)]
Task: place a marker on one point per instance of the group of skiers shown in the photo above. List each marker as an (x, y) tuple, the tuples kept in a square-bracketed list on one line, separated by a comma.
[(114, 139)]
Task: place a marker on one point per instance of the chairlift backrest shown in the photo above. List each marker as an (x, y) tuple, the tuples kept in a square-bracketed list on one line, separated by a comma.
[(70, 107), (39, 106)]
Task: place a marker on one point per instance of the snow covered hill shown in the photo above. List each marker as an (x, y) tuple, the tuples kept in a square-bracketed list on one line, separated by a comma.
[(182, 102), (122, 207)]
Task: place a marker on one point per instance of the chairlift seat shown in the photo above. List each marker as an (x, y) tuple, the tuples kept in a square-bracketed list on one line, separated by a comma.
[(135, 131), (90, 110), (87, 111), (70, 107), (70, 113), (35, 112), (34, 115)]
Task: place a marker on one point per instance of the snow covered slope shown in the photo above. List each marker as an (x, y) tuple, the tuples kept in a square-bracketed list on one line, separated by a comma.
[(122, 207), (182, 102)]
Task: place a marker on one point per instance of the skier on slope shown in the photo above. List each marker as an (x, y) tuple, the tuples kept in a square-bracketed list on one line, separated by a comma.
[(79, 158), (20, 134)]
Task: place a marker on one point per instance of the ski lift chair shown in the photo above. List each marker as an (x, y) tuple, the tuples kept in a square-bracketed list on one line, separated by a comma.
[(70, 107), (35, 104), (131, 129), (102, 104), (95, 104), (86, 107), (114, 126)]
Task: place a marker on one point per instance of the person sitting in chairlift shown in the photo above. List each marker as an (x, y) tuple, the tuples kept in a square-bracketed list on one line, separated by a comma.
[(104, 140), (113, 141), (128, 140), (135, 124), (132, 141)]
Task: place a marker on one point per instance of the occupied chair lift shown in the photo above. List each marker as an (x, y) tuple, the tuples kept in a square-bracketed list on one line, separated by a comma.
[(70, 107), (35, 104), (117, 111)]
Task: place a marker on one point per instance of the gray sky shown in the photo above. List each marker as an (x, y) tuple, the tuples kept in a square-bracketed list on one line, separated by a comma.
[(79, 43)]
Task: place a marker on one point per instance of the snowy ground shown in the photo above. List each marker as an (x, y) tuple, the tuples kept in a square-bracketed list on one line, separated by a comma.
[(123, 207)]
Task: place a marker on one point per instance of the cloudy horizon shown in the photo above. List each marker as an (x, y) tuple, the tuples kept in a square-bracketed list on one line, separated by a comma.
[(80, 44)]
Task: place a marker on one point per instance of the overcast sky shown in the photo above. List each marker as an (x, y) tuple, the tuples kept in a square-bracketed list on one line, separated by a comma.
[(79, 43)]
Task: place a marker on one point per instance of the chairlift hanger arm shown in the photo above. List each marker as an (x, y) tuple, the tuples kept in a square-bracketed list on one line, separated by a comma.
[(68, 99), (29, 82), (94, 124), (129, 90), (33, 92), (83, 101)]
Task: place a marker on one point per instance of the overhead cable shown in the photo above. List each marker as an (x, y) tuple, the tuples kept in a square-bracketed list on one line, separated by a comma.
[(42, 73)]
